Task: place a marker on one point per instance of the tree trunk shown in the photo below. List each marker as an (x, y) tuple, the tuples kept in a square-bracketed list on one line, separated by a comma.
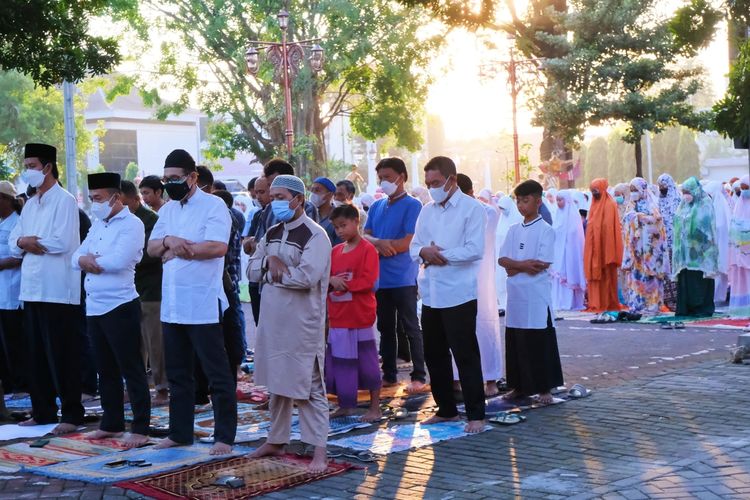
[(638, 159)]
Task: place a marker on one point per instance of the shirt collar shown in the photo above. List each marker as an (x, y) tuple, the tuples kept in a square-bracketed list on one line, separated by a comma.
[(119, 215), (452, 201), (295, 223), (538, 218)]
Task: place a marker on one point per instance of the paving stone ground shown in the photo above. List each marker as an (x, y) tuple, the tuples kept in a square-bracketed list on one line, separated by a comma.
[(673, 429)]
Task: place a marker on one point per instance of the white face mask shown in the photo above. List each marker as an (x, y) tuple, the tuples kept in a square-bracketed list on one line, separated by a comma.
[(388, 187), (439, 194), (317, 200), (634, 196), (101, 210), (33, 178), (687, 197)]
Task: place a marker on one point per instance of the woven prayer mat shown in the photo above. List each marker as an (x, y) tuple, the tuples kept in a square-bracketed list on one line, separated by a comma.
[(723, 323), (669, 318), (403, 437), (73, 447), (95, 470), (261, 476)]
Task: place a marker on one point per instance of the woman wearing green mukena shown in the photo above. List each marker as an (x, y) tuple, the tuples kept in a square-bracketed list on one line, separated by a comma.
[(695, 255)]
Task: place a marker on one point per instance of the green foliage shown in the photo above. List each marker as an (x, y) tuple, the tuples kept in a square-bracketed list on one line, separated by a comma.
[(371, 70), (34, 114), (620, 65), (733, 111), (131, 171), (49, 39), (466, 13)]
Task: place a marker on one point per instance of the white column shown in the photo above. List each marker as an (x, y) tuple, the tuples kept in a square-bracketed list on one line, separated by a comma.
[(372, 177), (71, 175)]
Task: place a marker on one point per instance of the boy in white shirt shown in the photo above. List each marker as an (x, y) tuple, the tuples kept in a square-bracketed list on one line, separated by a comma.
[(531, 355)]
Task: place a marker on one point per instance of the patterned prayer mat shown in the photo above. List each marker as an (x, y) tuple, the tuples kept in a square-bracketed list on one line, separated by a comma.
[(403, 437), (260, 476), (723, 323), (669, 318), (73, 447), (95, 469), (253, 431)]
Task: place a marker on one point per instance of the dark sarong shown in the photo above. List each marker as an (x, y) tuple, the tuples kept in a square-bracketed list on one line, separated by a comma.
[(532, 359)]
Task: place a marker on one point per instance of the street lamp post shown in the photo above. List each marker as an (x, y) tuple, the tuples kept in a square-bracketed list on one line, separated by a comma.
[(286, 58)]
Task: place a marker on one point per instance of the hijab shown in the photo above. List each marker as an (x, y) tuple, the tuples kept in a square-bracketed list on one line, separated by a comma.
[(695, 233), (509, 215), (739, 231), (668, 204), (723, 219), (569, 242), (603, 234), (645, 245)]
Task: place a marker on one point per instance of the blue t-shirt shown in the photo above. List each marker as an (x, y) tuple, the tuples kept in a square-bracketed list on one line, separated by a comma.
[(393, 222)]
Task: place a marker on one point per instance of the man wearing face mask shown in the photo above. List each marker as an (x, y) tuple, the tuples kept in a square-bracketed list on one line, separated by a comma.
[(191, 237), (45, 238), (449, 241), (602, 253), (109, 254), (321, 195), (293, 262), (390, 227)]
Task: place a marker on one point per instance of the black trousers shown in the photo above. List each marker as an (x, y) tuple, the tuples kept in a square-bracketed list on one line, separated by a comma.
[(53, 331), (454, 330), (403, 301), (116, 338), (233, 344), (14, 361), (89, 382), (254, 290), (181, 344)]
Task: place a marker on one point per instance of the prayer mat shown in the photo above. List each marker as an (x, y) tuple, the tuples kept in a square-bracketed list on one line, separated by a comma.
[(498, 404), (249, 392), (669, 318), (248, 418), (260, 476), (723, 323), (394, 391), (20, 403), (95, 469), (403, 437), (73, 447)]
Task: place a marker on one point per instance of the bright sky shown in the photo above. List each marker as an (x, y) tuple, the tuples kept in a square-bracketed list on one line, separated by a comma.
[(471, 106)]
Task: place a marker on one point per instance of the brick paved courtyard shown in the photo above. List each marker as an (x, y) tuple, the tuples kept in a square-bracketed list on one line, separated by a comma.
[(675, 428)]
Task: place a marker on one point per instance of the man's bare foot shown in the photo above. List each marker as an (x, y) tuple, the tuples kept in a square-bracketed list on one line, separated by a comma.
[(490, 389), (546, 398), (372, 415), (474, 426), (387, 383), (63, 428), (319, 462), (28, 423), (134, 440), (100, 434), (167, 443), (268, 450), (514, 394), (415, 386), (342, 412), (436, 420), (161, 397), (220, 449)]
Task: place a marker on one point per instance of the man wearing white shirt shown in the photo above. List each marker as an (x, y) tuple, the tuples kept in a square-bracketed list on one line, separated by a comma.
[(109, 255), (45, 238), (449, 241), (191, 237)]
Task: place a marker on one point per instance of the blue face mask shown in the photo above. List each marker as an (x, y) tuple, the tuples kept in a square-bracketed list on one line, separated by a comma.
[(746, 193), (619, 199), (281, 210)]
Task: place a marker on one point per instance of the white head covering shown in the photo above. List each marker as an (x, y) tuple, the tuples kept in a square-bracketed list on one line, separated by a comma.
[(509, 215), (723, 219), (569, 243), (290, 182), (580, 200), (739, 233)]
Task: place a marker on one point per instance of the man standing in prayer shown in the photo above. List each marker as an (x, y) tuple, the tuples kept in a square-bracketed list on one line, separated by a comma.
[(148, 285), (602, 254), (191, 237), (46, 237), (293, 263), (531, 354), (390, 227), (109, 254), (449, 241)]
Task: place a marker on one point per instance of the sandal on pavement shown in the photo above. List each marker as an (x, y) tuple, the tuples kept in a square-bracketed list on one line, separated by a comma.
[(667, 326), (362, 456), (507, 418), (578, 391), (679, 325)]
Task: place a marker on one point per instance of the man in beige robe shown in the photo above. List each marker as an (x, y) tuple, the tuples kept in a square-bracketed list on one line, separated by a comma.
[(292, 262)]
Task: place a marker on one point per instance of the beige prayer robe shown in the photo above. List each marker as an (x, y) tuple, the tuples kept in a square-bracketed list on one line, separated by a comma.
[(291, 327)]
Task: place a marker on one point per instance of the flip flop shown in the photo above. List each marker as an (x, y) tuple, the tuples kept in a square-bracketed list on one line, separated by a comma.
[(395, 413), (679, 325), (362, 456), (578, 392), (507, 418), (667, 326)]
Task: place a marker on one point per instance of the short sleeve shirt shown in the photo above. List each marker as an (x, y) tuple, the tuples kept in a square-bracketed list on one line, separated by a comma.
[(392, 222)]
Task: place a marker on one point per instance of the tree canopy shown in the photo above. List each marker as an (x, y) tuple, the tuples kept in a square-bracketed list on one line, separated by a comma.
[(49, 40), (372, 72), (733, 110)]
